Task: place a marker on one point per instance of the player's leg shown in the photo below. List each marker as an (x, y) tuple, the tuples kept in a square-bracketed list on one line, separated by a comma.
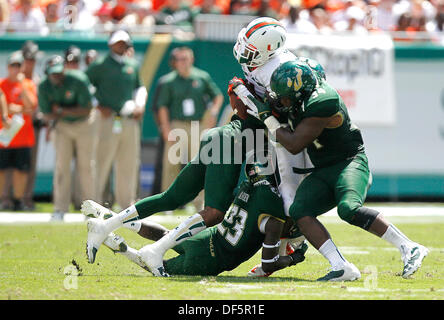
[(220, 180), (186, 186), (314, 197), (149, 230), (194, 259), (351, 191), (184, 189)]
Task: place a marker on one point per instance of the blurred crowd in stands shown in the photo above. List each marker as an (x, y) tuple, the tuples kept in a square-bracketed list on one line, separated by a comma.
[(145, 16)]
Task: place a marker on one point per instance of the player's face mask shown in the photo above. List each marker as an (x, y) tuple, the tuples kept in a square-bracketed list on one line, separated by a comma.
[(245, 53)]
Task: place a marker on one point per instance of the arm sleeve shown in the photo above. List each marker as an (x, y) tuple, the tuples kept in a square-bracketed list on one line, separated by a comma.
[(211, 88), (92, 73), (322, 109), (84, 97), (164, 96)]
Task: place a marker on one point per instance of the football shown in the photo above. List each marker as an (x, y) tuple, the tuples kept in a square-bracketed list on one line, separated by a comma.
[(238, 106)]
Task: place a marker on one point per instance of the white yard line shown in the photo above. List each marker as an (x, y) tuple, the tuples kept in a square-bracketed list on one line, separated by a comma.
[(402, 214)]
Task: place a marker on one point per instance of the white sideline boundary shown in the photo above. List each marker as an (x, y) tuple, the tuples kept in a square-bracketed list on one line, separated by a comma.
[(427, 213)]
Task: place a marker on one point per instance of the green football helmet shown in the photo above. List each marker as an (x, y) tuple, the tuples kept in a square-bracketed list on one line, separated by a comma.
[(294, 80), (315, 66)]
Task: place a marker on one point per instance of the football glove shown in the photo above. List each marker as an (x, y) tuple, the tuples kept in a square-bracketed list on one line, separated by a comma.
[(298, 255), (232, 82), (255, 106)]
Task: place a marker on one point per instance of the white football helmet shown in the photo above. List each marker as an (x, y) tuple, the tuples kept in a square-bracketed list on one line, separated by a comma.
[(262, 39)]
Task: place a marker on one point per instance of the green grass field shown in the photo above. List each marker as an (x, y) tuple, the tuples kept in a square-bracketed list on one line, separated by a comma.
[(36, 262)]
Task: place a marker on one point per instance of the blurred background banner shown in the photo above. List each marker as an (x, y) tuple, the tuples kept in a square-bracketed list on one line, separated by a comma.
[(357, 66)]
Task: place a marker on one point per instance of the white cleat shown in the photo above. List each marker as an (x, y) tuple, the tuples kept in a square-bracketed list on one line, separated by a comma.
[(97, 234), (116, 243), (257, 271), (92, 209), (347, 272), (153, 261), (412, 257)]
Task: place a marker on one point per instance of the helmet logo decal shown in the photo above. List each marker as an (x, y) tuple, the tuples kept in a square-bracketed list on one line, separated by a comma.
[(260, 25), (297, 83), (289, 83)]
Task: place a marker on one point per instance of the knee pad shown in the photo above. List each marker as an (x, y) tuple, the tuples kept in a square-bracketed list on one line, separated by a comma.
[(364, 218), (346, 210)]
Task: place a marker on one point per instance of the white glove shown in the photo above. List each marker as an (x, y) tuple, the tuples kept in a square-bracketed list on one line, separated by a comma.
[(242, 92)]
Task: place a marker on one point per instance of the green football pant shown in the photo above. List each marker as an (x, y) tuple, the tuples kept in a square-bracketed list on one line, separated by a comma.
[(195, 257), (343, 185)]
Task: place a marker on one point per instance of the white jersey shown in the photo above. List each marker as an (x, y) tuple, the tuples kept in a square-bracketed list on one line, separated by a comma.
[(260, 78)]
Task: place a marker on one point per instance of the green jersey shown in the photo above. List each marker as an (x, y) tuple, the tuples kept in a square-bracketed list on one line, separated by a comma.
[(73, 92), (341, 139), (233, 241), (114, 81), (187, 98)]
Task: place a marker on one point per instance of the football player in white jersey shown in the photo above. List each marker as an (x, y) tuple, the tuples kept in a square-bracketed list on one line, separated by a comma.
[(260, 49)]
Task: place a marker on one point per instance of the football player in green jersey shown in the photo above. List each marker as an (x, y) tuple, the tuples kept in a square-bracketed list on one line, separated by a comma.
[(341, 177), (255, 220), (217, 178)]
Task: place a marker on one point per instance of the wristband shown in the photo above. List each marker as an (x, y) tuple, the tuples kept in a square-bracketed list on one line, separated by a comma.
[(272, 124)]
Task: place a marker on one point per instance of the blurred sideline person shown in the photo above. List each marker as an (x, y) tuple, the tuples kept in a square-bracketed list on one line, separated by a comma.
[(73, 56), (65, 99), (30, 51), (183, 97), (21, 98), (121, 100)]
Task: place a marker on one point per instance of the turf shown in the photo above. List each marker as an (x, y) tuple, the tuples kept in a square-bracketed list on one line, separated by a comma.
[(48, 261)]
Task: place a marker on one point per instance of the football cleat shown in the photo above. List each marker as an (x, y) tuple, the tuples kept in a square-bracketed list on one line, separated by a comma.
[(97, 234), (347, 272), (258, 272), (133, 255), (289, 249), (92, 209), (412, 257), (153, 261), (116, 243)]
